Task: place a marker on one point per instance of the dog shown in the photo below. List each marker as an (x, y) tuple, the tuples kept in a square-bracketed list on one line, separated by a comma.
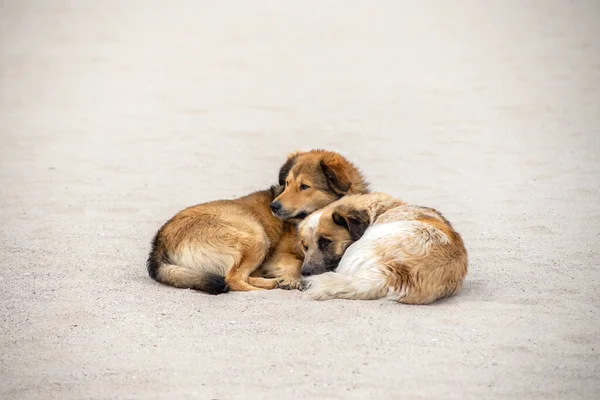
[(380, 247), (250, 243)]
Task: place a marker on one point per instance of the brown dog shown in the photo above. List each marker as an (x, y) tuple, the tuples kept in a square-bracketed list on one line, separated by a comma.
[(381, 247), (219, 246)]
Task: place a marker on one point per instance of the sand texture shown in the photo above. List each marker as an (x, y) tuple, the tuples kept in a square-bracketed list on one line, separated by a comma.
[(116, 114)]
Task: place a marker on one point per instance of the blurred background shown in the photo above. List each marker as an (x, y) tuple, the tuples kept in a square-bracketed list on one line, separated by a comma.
[(116, 114)]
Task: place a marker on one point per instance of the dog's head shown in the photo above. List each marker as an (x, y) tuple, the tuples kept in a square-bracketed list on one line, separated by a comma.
[(311, 180), (326, 234)]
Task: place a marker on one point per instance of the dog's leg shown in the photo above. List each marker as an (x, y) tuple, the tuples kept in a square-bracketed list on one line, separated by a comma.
[(284, 264), (290, 275), (239, 285), (263, 283), (285, 268), (333, 285), (239, 275)]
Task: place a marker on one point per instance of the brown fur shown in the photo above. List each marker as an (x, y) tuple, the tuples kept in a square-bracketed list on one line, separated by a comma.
[(329, 176), (225, 239), (239, 244), (416, 256), (314, 179)]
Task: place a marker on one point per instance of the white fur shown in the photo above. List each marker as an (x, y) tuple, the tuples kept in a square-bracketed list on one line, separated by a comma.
[(401, 257), (359, 274), (203, 259), (313, 220), (362, 254), (332, 285)]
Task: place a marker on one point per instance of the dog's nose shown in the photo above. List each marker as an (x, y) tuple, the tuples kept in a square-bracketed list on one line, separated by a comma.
[(306, 272), (275, 206)]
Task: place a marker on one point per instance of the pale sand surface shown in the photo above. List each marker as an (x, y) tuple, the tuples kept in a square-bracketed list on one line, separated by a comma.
[(116, 114)]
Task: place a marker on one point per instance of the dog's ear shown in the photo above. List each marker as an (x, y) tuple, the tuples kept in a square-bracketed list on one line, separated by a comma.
[(355, 221), (335, 172), (276, 190), (286, 167)]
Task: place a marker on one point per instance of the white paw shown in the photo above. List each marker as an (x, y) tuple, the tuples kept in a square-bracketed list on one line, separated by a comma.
[(305, 284)]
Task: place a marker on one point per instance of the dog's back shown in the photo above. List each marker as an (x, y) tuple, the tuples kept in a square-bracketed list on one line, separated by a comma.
[(424, 258), (200, 245), (406, 253)]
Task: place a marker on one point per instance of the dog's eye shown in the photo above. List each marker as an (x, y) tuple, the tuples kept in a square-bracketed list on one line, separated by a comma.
[(323, 243), (304, 187), (304, 246)]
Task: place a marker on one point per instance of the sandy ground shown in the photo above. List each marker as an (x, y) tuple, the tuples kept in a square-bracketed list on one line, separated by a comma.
[(116, 114)]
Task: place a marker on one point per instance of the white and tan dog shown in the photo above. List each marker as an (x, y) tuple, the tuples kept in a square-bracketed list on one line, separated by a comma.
[(381, 247)]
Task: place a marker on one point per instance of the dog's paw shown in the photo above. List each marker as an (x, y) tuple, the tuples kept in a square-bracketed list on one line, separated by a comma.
[(305, 284), (288, 283)]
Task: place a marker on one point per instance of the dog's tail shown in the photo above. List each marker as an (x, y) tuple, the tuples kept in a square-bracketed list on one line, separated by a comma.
[(206, 278), (187, 278), (333, 285)]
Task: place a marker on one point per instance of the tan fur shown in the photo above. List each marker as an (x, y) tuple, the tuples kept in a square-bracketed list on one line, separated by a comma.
[(239, 244), (229, 238), (328, 176), (407, 253), (314, 179)]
